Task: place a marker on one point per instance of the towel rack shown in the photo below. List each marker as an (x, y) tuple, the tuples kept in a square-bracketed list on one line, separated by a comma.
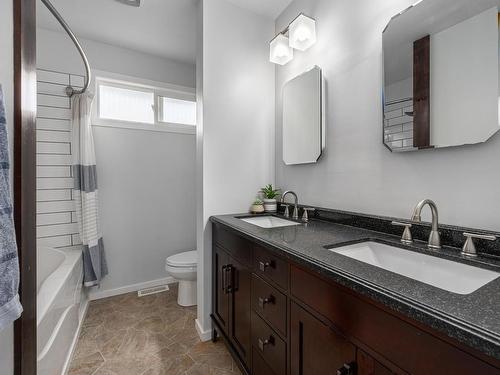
[(70, 91)]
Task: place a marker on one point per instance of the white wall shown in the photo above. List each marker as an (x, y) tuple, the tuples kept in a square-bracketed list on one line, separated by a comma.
[(6, 80), (146, 178), (56, 51), (357, 172), (236, 152), (465, 110)]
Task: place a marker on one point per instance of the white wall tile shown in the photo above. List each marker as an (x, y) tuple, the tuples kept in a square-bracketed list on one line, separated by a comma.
[(52, 77), (77, 81), (56, 230), (52, 89), (53, 101), (53, 159), (53, 171), (56, 206), (52, 112), (59, 241), (53, 136), (53, 148), (53, 124), (54, 183), (56, 218), (53, 195)]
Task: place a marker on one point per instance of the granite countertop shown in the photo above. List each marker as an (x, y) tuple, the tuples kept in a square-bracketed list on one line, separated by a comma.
[(472, 319)]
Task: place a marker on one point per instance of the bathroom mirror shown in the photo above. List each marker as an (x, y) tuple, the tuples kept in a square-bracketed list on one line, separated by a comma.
[(441, 75), (303, 118)]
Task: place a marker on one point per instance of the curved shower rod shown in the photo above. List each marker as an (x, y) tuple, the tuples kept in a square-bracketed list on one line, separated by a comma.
[(70, 91)]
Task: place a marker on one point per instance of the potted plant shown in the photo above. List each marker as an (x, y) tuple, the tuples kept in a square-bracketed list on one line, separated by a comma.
[(270, 195), (257, 207)]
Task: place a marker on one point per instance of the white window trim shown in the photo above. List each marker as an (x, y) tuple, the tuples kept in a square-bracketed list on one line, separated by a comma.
[(159, 89)]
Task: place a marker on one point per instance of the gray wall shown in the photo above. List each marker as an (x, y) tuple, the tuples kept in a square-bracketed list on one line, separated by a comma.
[(6, 80), (56, 51), (236, 144), (357, 172), (146, 178)]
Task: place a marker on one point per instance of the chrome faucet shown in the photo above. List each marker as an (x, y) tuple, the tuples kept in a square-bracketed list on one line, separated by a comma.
[(295, 215), (434, 237)]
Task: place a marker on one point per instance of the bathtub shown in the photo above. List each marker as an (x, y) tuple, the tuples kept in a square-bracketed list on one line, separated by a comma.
[(59, 295)]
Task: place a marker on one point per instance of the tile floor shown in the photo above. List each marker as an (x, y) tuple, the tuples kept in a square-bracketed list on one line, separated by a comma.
[(152, 335)]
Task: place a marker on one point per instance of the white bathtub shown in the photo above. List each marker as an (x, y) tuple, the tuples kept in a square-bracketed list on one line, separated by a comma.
[(59, 294)]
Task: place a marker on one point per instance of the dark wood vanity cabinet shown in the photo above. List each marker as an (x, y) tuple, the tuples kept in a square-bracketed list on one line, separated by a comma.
[(231, 302), (315, 348), (280, 318)]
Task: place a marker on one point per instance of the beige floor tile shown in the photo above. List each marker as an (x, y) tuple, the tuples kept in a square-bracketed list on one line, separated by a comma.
[(152, 335)]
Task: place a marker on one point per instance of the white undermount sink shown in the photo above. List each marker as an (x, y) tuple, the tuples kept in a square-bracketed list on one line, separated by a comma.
[(445, 274), (269, 221)]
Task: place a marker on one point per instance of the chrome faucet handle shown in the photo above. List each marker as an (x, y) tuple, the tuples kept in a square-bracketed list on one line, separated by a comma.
[(287, 210), (295, 215), (305, 215), (406, 238), (469, 248)]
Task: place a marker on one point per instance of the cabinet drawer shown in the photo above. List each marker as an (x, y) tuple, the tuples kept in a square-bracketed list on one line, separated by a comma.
[(238, 247), (270, 266), (269, 304), (402, 343), (259, 366), (268, 345)]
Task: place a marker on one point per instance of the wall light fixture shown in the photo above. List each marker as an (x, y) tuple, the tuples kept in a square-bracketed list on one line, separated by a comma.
[(300, 34)]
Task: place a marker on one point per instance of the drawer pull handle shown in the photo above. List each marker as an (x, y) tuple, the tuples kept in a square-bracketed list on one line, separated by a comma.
[(347, 369), (264, 343), (264, 301), (263, 266)]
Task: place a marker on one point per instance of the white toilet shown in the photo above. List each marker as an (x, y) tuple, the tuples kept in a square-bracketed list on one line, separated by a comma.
[(182, 267)]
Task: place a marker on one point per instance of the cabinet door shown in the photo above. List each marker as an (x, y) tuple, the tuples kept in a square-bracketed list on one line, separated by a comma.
[(221, 285), (369, 366), (315, 348), (240, 309)]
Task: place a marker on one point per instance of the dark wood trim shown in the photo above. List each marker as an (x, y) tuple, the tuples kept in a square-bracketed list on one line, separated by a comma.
[(422, 92), (24, 182)]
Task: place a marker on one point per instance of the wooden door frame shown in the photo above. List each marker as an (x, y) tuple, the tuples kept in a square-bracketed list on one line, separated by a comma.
[(24, 182)]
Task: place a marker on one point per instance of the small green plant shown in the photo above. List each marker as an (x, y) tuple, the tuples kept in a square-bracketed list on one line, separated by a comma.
[(269, 192), (257, 202)]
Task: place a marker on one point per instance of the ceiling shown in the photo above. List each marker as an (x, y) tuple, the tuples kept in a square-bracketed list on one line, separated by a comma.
[(268, 8), (165, 28)]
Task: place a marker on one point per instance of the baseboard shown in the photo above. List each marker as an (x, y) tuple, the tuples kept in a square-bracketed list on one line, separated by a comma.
[(204, 335), (81, 318), (99, 294)]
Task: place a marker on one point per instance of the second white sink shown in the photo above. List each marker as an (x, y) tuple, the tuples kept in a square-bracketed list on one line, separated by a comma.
[(445, 274), (269, 221)]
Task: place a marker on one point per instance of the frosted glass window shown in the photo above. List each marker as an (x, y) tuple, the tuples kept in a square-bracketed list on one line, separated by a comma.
[(176, 111), (116, 103)]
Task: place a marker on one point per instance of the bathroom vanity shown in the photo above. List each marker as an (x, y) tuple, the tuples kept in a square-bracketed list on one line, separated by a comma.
[(286, 302)]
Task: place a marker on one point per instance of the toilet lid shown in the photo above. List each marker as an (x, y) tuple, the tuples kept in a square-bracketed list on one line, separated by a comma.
[(188, 258)]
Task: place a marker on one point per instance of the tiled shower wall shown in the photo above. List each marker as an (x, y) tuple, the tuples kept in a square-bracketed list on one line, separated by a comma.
[(56, 218), (398, 125)]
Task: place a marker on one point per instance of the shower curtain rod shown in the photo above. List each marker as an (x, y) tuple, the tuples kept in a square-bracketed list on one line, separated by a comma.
[(70, 91)]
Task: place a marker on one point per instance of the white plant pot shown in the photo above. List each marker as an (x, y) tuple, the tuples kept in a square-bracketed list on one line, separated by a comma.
[(270, 205)]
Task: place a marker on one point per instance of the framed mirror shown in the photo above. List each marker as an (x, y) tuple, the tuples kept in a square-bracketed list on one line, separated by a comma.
[(303, 118), (441, 75)]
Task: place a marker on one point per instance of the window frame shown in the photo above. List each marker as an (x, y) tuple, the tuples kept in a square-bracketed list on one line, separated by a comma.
[(158, 89)]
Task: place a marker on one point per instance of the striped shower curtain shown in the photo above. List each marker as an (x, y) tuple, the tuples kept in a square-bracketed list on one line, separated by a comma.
[(85, 191)]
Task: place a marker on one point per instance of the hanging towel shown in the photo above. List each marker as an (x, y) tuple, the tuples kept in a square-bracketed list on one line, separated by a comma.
[(85, 194), (10, 308)]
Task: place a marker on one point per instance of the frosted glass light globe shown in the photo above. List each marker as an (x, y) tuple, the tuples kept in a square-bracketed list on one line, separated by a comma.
[(302, 32), (280, 51)]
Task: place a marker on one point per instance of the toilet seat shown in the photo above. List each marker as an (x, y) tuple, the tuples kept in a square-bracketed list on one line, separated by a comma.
[(188, 259)]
